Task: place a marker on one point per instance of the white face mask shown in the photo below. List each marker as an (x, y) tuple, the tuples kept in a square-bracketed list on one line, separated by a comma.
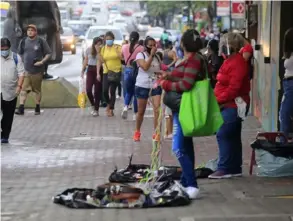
[(5, 53)]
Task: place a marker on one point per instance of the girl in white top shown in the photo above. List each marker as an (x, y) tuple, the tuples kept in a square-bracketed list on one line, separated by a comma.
[(286, 110), (148, 64)]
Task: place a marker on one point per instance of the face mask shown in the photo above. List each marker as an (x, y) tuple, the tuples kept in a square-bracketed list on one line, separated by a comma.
[(5, 53), (109, 42)]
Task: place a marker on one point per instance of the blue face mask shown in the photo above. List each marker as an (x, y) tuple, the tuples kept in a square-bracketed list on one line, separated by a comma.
[(109, 42), (5, 53)]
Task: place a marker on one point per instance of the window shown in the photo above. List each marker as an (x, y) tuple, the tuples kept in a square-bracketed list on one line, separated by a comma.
[(98, 32), (67, 32)]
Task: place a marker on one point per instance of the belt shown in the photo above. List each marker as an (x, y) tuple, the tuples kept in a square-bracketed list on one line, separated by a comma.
[(288, 78)]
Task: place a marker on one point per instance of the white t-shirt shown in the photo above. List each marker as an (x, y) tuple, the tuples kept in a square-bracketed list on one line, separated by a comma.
[(145, 78)]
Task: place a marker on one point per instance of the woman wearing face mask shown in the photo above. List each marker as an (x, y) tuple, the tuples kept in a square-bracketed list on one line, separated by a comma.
[(232, 93), (110, 57), (93, 77), (129, 52), (148, 64)]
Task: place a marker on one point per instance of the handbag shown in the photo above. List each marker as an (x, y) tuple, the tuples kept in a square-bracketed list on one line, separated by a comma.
[(114, 76), (199, 113), (172, 100)]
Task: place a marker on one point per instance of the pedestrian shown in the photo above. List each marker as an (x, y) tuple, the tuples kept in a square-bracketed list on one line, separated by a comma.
[(12, 76), (148, 63), (182, 79), (110, 57), (35, 52), (93, 76), (286, 110), (232, 93), (129, 52)]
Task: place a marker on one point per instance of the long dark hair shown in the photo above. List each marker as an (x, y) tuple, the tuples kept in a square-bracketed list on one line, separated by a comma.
[(133, 39), (147, 39), (191, 41), (288, 43), (95, 41)]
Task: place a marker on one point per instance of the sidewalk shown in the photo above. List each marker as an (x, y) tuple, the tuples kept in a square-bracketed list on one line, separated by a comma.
[(66, 148)]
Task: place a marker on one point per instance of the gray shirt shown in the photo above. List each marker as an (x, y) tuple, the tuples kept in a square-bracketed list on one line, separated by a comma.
[(91, 60), (288, 64), (11, 70), (34, 50)]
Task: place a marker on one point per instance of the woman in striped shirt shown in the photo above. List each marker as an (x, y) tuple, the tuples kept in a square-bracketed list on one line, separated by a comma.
[(182, 79)]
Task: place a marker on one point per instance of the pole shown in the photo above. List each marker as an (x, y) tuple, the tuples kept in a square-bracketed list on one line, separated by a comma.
[(230, 14)]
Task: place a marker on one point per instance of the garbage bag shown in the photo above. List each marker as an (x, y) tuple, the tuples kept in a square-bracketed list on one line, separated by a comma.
[(269, 165), (117, 195), (278, 149)]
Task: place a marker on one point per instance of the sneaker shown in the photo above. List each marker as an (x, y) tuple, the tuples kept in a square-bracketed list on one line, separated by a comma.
[(20, 110), (130, 107), (95, 113), (236, 174), (134, 117), (4, 141), (220, 175), (136, 136), (156, 137), (168, 137), (124, 113), (37, 110), (192, 192), (118, 97)]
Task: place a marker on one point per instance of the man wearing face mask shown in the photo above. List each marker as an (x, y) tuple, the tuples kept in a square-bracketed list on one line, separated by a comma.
[(35, 52), (12, 76)]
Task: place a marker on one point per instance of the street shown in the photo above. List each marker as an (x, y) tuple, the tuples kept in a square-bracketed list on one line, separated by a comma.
[(69, 68)]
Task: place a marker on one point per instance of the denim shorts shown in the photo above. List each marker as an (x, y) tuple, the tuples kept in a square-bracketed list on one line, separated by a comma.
[(143, 93)]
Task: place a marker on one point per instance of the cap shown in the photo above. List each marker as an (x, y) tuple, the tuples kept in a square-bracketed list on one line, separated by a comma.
[(5, 42), (32, 26)]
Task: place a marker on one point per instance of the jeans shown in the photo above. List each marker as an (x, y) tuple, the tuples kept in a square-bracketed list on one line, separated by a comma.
[(229, 142), (129, 85), (8, 109), (109, 87), (286, 110), (92, 82), (144, 93), (183, 149)]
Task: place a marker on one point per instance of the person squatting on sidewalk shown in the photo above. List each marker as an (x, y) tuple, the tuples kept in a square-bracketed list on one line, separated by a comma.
[(35, 52), (12, 76), (110, 56), (129, 52), (93, 76)]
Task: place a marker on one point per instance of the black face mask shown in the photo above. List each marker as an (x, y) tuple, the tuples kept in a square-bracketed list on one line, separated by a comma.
[(148, 49)]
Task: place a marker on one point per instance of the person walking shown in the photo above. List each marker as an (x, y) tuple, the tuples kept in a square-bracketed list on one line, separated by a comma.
[(129, 52), (12, 76), (93, 76), (110, 56), (35, 52)]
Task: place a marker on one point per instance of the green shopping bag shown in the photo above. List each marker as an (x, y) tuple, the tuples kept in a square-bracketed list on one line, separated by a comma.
[(199, 113)]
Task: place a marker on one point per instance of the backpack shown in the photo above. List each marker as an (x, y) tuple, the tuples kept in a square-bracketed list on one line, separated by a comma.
[(15, 58), (135, 66), (22, 45)]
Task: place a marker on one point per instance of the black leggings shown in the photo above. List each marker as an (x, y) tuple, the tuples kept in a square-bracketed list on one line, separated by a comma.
[(109, 87)]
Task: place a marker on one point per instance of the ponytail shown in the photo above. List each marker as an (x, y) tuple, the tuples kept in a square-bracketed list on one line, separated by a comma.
[(134, 37)]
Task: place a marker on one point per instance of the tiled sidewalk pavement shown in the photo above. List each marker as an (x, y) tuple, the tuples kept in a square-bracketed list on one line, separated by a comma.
[(50, 153)]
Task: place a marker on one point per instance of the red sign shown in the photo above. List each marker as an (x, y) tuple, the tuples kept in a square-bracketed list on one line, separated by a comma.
[(238, 9), (223, 4)]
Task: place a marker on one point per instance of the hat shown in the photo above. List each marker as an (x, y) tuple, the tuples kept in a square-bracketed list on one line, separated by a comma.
[(32, 26), (5, 42)]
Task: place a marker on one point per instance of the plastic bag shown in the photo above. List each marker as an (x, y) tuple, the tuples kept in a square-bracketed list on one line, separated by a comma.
[(81, 99), (269, 165)]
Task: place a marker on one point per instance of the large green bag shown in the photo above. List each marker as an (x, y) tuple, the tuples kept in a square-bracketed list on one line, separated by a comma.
[(199, 113)]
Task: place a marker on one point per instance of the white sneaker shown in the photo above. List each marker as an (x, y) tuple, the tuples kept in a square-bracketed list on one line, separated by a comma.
[(134, 117), (192, 192), (118, 97), (168, 137), (124, 113), (92, 109), (95, 113)]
